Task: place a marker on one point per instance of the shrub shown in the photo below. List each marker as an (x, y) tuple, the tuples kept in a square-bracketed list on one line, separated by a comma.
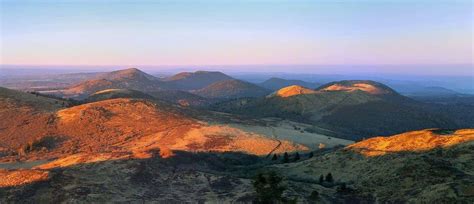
[(314, 195), (46, 142), (329, 178), (268, 187), (286, 158)]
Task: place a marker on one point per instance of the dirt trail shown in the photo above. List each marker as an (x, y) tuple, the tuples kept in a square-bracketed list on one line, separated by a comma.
[(275, 138)]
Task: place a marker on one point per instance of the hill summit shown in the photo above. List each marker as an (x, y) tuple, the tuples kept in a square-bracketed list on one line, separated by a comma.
[(195, 80), (367, 86), (277, 83), (292, 91), (131, 78), (127, 74), (229, 89)]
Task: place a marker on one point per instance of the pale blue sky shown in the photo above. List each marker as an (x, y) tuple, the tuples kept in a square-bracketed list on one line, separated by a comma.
[(236, 32)]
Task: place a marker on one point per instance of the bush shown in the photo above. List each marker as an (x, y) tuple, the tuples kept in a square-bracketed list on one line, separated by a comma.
[(268, 187), (47, 142), (329, 178), (286, 158), (314, 195)]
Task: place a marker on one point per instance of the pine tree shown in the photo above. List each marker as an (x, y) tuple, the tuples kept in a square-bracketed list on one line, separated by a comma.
[(310, 155), (329, 178), (275, 157), (286, 158), (321, 179)]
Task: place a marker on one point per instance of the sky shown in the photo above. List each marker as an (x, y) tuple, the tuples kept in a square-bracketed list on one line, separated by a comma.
[(188, 33)]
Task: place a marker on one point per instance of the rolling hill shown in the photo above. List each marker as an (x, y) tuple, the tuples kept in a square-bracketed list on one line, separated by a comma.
[(354, 109), (194, 80), (117, 125), (278, 83), (131, 78), (292, 90), (25, 116), (116, 93), (182, 98), (367, 86), (230, 89)]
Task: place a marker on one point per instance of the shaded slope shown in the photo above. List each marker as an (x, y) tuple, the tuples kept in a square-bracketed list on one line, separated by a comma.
[(229, 89), (116, 93), (354, 111), (182, 98), (194, 80)]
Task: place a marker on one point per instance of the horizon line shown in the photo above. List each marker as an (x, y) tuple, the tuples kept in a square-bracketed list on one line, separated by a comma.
[(164, 65)]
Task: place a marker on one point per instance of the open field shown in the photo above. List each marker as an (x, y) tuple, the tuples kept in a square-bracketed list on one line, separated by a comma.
[(285, 130)]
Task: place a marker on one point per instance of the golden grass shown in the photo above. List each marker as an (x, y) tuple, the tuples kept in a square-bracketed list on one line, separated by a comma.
[(293, 91), (9, 178), (415, 141), (359, 86)]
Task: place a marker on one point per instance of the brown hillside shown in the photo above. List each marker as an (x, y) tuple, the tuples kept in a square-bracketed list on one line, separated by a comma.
[(136, 127), (131, 78), (25, 116)]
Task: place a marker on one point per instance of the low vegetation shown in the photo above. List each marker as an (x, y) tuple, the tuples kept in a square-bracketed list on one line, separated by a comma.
[(45, 143)]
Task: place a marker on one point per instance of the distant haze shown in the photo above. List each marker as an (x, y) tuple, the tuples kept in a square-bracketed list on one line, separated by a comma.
[(358, 70), (427, 37)]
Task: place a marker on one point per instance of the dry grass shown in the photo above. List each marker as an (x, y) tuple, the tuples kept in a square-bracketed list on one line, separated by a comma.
[(358, 86), (19, 177), (416, 141), (293, 91)]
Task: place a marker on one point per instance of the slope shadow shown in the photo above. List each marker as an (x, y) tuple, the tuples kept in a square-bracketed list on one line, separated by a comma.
[(184, 177)]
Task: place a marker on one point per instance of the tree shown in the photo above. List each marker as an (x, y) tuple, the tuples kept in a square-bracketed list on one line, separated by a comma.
[(321, 179), (286, 158), (310, 155), (268, 187), (297, 156), (329, 178), (314, 195), (275, 157)]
